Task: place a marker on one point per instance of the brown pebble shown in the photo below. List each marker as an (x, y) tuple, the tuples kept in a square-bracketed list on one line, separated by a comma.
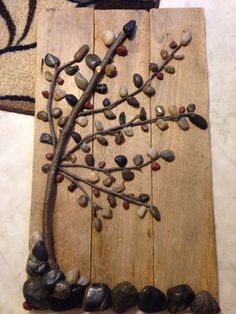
[(107, 182), (122, 50), (48, 76), (160, 76), (173, 110), (181, 109), (164, 53), (56, 112), (88, 105), (101, 164), (145, 127), (162, 125), (60, 80), (169, 69), (183, 123), (149, 90), (179, 56), (155, 166), (49, 156), (96, 192), (173, 45), (59, 178), (126, 205), (81, 53), (191, 108), (45, 94), (97, 224)]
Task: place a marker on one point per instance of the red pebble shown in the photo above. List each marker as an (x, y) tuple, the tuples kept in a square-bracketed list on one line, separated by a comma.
[(49, 156), (126, 205), (60, 80), (59, 178), (27, 306), (88, 105), (155, 166), (145, 127), (96, 192), (122, 50), (173, 45), (181, 109), (160, 76), (101, 164), (45, 93)]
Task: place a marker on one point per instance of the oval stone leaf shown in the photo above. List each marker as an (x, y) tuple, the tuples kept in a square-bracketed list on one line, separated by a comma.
[(199, 121), (154, 211)]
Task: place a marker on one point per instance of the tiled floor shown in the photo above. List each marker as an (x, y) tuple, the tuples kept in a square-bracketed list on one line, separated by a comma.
[(16, 133)]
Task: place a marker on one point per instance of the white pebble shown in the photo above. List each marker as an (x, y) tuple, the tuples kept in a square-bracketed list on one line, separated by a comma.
[(108, 38), (152, 153)]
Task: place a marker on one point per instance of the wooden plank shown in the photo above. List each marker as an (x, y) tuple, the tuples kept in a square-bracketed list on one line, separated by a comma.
[(124, 250), (184, 241), (62, 33)]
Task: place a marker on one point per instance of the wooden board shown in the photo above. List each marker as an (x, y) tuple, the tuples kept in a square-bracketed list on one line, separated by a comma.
[(181, 248)]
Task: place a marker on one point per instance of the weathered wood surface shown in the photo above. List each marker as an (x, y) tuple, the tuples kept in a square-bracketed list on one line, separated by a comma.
[(181, 248)]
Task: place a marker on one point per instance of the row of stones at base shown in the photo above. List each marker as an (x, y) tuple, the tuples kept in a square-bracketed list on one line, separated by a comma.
[(98, 297)]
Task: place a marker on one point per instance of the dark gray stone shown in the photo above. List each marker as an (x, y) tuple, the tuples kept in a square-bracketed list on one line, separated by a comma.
[(46, 138), (124, 296), (151, 300), (97, 298), (51, 277), (35, 294), (40, 251)]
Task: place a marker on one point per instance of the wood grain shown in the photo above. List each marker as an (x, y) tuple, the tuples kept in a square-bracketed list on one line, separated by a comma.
[(181, 248)]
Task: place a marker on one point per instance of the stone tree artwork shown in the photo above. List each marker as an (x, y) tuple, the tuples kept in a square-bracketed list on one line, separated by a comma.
[(48, 286)]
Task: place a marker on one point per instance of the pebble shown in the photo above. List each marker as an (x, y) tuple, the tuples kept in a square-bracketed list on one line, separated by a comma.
[(141, 211), (138, 80), (123, 91), (181, 109), (81, 81), (106, 102), (34, 238), (153, 67), (72, 187), (183, 124), (173, 110), (42, 115), (26, 306), (96, 192), (56, 112), (160, 76), (101, 88), (121, 160), (82, 200), (132, 101), (97, 224), (93, 177), (101, 164), (45, 138), (72, 276), (179, 56), (73, 158), (59, 178), (118, 187), (51, 60), (119, 138), (127, 175), (199, 121), (173, 45), (48, 76), (88, 105), (92, 61), (164, 53), (39, 251), (162, 125), (160, 111), (102, 140), (107, 182), (81, 53), (97, 298), (45, 94), (51, 277), (82, 121), (71, 69), (124, 296), (179, 298), (98, 125), (89, 160), (59, 94), (45, 168), (122, 50), (204, 303), (109, 115), (108, 38), (144, 198), (145, 128), (83, 281), (152, 300), (71, 100), (155, 166), (185, 40), (122, 118), (129, 131), (138, 160), (76, 137), (168, 155), (129, 28), (34, 293), (35, 267), (60, 80), (142, 114), (111, 70), (153, 210), (152, 153), (149, 90), (111, 200), (126, 205), (191, 107), (107, 213), (169, 69), (62, 121), (85, 147), (61, 290)]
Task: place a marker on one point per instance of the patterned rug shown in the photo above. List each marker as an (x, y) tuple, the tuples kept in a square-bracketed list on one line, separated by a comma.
[(18, 24)]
